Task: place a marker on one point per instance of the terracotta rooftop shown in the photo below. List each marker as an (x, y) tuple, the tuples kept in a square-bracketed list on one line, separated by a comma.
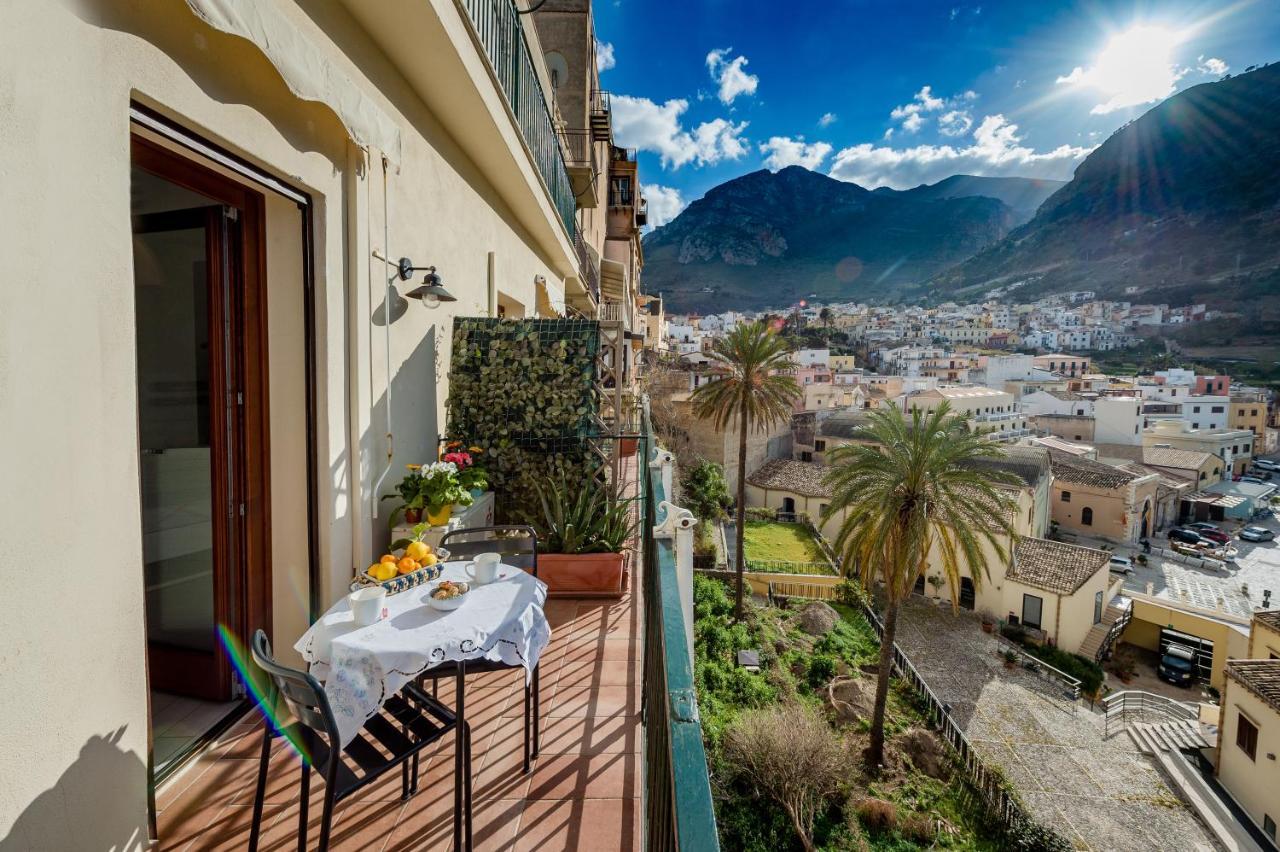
[(844, 424), (1054, 566), (1081, 471), (1261, 677), (1027, 463), (1169, 457), (795, 476)]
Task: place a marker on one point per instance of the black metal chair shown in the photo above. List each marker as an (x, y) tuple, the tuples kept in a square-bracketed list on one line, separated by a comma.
[(410, 721), (518, 545)]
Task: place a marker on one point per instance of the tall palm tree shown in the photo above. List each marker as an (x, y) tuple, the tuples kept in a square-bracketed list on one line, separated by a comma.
[(909, 490), (756, 392)]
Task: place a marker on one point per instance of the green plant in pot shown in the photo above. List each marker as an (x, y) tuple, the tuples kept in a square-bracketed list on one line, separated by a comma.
[(441, 491), (583, 530), (409, 491)]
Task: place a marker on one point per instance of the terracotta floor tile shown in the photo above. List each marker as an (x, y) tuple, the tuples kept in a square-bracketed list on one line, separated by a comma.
[(425, 825), (590, 673), (594, 776), (601, 649), (216, 787), (496, 824), (595, 701), (590, 825), (584, 735)]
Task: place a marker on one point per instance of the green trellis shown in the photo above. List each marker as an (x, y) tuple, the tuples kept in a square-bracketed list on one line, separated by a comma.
[(525, 392)]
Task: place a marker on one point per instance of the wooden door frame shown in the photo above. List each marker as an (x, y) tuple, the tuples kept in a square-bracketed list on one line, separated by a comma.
[(250, 605)]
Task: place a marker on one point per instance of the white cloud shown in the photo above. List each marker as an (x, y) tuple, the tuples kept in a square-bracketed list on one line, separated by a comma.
[(996, 150), (665, 203), (730, 75), (955, 123), (913, 114), (1212, 65), (782, 151), (1136, 67), (604, 56), (828, 119), (641, 123)]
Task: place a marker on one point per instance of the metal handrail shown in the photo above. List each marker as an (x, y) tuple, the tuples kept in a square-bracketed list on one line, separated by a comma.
[(1120, 705), (679, 814), (1033, 663), (497, 26)]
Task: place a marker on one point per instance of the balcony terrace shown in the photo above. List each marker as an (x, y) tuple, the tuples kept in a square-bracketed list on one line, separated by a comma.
[(587, 788)]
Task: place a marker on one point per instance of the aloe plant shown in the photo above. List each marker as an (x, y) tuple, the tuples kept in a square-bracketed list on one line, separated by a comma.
[(588, 517)]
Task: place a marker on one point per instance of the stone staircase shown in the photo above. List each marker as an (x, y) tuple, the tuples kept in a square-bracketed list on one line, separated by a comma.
[(1092, 646), (1163, 741), (1167, 736)]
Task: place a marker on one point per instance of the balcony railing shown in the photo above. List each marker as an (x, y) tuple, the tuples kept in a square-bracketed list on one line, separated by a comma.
[(586, 266), (580, 150), (601, 117), (621, 196), (499, 30), (679, 814)]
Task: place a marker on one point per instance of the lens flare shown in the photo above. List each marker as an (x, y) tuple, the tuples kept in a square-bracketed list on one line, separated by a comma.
[(255, 680)]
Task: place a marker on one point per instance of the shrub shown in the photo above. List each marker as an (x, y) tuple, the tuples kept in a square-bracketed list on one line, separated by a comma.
[(822, 668), (877, 815), (790, 754), (760, 513), (850, 593), (1081, 668), (705, 492)]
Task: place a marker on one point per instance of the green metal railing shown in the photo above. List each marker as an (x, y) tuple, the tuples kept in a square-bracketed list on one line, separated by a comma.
[(500, 32), (679, 814)]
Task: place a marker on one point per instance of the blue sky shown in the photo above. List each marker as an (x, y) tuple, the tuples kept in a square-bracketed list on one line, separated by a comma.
[(898, 93)]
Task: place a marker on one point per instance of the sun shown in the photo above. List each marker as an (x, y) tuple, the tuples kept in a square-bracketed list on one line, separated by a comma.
[(1135, 67)]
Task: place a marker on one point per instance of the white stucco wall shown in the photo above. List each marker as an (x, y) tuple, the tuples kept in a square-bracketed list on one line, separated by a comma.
[(75, 659)]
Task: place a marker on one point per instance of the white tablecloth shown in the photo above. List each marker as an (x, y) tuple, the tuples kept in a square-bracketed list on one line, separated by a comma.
[(363, 666)]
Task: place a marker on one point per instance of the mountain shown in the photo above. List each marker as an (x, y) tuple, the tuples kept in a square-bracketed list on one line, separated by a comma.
[(1024, 195), (771, 238), (1181, 205)]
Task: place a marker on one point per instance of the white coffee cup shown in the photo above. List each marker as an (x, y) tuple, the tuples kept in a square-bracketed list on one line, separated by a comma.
[(366, 604), (484, 568)]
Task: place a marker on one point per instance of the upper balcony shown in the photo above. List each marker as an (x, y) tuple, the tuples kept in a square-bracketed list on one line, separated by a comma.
[(501, 33), (583, 165), (601, 117)]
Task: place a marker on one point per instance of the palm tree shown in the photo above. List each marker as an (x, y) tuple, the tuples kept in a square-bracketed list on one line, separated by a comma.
[(909, 490), (755, 392)]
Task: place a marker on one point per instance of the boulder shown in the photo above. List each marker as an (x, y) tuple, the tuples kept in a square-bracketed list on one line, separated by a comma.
[(852, 699), (817, 618)]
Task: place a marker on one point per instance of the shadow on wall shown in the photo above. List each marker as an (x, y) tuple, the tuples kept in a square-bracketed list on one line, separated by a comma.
[(415, 390), (74, 814), (206, 55)]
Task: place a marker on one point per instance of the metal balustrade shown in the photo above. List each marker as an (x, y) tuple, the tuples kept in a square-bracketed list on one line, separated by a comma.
[(679, 814), (1119, 706), (499, 29)]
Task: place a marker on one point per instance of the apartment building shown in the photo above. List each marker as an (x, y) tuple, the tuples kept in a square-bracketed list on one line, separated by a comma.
[(1248, 411), (269, 215), (1249, 726), (1063, 365), (1233, 446), (988, 411)]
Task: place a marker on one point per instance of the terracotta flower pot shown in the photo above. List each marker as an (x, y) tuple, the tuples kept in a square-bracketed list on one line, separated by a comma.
[(582, 574), (627, 446), (438, 516), (987, 627), (413, 516)]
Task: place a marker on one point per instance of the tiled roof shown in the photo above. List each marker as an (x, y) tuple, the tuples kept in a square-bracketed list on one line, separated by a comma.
[(1027, 463), (1081, 471), (1261, 677), (1269, 617), (1169, 457), (845, 424), (1070, 396), (1054, 566), (795, 476)]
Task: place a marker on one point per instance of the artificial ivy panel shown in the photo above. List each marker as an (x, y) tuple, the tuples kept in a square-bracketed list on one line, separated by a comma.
[(525, 392)]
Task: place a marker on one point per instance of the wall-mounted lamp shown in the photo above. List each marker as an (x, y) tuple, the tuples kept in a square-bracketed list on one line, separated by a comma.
[(430, 291)]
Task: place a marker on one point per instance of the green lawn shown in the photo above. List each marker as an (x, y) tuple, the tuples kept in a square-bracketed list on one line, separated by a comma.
[(773, 541)]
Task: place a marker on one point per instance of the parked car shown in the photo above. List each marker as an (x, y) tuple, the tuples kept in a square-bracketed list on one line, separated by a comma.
[(1121, 565), (1178, 665), (1260, 473), (1252, 479), (1209, 531), (1267, 464), (1257, 534), (1185, 535)]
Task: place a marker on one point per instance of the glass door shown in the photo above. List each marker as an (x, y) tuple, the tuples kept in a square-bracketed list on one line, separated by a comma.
[(182, 259)]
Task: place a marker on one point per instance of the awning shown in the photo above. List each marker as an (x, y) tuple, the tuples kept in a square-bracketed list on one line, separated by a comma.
[(307, 72)]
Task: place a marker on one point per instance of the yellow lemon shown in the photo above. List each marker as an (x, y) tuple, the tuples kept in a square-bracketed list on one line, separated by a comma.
[(417, 550), (374, 569), (389, 558), (430, 559)]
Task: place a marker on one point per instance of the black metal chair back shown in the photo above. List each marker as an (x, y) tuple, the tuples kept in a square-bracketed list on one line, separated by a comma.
[(517, 543), (302, 694)]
